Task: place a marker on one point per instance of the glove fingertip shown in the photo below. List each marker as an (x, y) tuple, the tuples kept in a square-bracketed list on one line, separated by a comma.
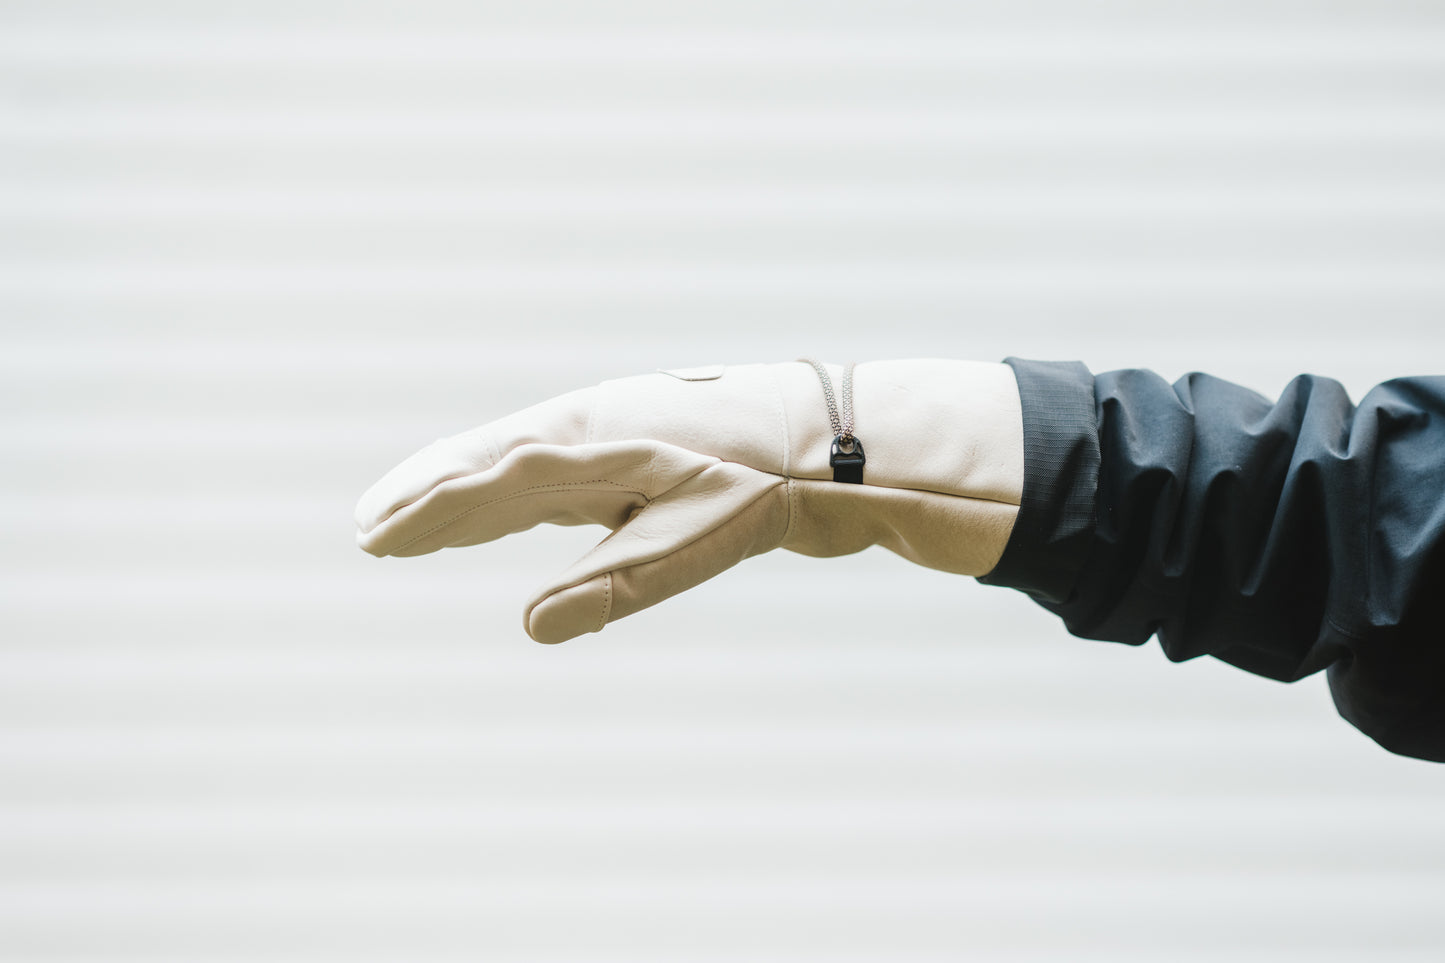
[(570, 612), (367, 543), (422, 473), (367, 514)]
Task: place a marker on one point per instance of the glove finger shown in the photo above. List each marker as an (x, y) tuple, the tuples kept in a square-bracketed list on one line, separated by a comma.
[(559, 421), (697, 529), (598, 484)]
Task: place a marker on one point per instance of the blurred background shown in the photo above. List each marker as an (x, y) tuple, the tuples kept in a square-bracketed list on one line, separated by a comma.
[(253, 254)]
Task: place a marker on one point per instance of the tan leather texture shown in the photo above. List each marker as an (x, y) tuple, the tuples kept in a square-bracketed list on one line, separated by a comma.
[(693, 476)]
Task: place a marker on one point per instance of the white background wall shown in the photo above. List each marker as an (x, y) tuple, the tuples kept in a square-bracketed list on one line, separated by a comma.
[(252, 254)]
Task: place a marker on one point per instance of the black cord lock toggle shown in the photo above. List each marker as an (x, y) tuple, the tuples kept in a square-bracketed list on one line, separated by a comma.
[(847, 460)]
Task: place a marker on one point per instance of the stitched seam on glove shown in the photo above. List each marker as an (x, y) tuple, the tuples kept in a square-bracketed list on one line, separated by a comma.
[(782, 412), (646, 559), (606, 601), (533, 490), (588, 435), (792, 511), (493, 455), (781, 407)]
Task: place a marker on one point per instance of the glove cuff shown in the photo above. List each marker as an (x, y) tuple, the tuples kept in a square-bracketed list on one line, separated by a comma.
[(1050, 539)]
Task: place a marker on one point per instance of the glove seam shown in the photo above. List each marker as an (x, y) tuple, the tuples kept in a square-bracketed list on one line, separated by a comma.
[(792, 510), (697, 537), (781, 408), (592, 414), (532, 490), (606, 600)]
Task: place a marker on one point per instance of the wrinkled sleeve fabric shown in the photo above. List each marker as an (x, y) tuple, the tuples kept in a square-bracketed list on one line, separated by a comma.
[(1283, 537)]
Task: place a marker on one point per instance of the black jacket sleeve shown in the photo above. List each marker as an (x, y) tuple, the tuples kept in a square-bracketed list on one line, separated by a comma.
[(1281, 537)]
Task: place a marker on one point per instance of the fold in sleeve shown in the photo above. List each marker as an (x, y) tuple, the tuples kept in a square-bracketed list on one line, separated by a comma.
[(1282, 537)]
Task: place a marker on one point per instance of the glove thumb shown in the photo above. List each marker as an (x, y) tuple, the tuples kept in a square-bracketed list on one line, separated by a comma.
[(681, 538)]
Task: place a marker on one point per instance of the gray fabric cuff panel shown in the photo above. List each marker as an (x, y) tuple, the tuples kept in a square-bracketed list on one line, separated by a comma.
[(1055, 525)]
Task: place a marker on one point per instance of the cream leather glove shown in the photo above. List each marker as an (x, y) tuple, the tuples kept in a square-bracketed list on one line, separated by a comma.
[(696, 470)]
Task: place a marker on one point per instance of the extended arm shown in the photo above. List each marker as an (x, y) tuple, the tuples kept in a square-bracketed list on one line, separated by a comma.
[(1283, 538)]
